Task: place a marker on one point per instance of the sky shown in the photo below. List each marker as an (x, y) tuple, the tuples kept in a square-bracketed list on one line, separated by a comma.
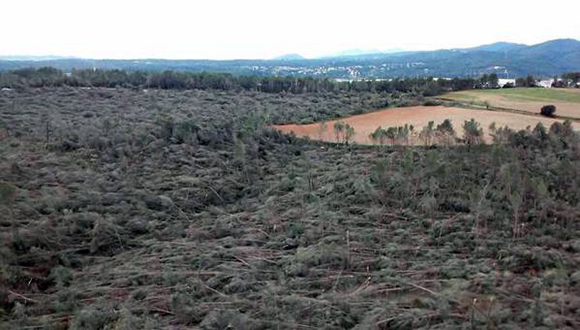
[(243, 29)]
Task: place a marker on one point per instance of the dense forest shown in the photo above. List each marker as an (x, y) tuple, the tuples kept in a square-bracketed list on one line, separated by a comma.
[(178, 206), (51, 77)]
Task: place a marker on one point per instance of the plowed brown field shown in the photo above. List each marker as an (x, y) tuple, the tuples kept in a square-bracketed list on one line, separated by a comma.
[(419, 116)]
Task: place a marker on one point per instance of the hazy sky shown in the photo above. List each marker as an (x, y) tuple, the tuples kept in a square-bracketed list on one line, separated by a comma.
[(263, 29)]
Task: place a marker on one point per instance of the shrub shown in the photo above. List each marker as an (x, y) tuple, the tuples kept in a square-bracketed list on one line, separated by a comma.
[(548, 110), (94, 317), (7, 192), (226, 319), (432, 103)]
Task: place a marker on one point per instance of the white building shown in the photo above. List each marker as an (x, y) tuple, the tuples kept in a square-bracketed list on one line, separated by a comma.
[(502, 82), (547, 83)]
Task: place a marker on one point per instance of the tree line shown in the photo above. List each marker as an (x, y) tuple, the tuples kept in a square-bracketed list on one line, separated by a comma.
[(51, 77), (445, 134), (568, 79)]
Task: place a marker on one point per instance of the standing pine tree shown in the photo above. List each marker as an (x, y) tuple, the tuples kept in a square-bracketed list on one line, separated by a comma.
[(338, 130), (472, 132)]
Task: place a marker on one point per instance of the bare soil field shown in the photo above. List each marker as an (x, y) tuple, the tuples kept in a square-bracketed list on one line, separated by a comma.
[(419, 117), (567, 101)]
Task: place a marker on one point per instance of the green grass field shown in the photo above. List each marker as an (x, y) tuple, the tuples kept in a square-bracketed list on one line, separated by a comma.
[(521, 100), (521, 94)]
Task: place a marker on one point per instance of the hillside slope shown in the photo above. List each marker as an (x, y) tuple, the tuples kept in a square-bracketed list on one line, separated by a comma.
[(506, 59)]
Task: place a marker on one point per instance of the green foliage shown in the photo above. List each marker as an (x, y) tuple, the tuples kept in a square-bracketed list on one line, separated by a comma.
[(94, 318), (548, 110), (472, 132), (348, 133), (339, 131), (62, 276), (489, 81), (502, 135), (539, 95), (528, 81), (322, 127), (378, 136), (573, 77), (190, 212), (7, 192), (179, 80), (186, 132), (427, 133), (445, 133), (400, 134)]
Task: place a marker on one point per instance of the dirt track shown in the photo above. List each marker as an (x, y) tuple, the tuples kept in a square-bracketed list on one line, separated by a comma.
[(418, 117)]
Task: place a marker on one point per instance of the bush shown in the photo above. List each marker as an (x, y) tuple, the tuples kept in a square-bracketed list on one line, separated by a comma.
[(94, 317), (548, 110), (7, 192), (432, 103)]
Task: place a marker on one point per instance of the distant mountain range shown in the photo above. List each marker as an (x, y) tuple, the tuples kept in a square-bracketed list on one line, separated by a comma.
[(496, 47), (505, 59), (362, 52), (33, 58), (289, 57)]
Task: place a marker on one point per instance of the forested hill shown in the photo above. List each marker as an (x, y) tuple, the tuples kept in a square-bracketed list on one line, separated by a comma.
[(505, 59)]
